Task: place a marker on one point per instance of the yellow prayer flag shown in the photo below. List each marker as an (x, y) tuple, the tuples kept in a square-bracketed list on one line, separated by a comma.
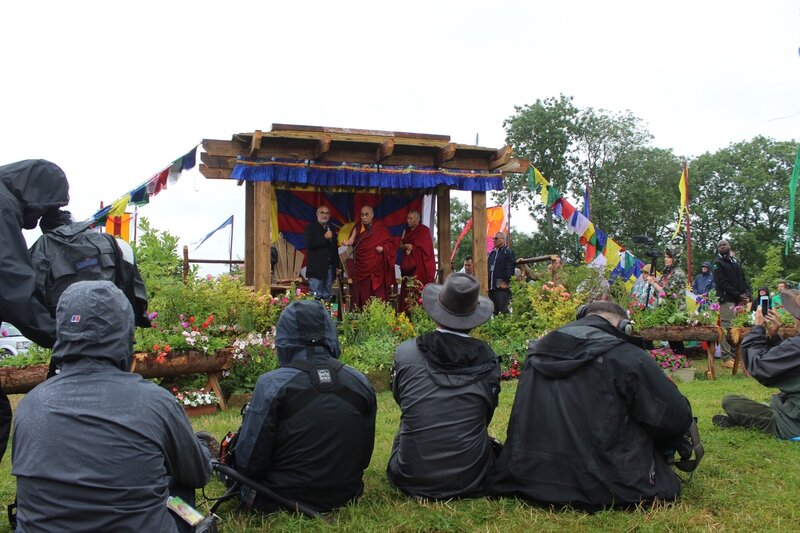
[(683, 187), (118, 207)]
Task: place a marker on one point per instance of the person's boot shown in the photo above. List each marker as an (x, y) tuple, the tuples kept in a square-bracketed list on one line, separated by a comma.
[(721, 421)]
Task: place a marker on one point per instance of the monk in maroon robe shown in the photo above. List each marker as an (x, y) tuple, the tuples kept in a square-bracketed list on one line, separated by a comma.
[(417, 263), (374, 255)]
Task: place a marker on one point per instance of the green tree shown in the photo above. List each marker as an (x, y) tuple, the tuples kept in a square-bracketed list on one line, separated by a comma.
[(157, 257), (740, 193)]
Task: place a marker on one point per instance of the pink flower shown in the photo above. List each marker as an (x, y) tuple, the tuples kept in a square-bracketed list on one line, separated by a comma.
[(714, 306)]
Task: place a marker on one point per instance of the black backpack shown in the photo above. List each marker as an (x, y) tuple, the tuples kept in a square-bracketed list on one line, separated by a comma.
[(74, 252)]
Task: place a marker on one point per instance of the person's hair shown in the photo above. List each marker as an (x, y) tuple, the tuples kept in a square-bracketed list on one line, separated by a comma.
[(605, 307), (468, 258), (414, 212), (672, 255)]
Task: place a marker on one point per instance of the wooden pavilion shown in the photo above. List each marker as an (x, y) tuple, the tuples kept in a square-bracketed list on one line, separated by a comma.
[(293, 156)]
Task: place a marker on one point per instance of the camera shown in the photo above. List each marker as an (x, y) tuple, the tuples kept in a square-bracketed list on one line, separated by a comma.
[(650, 251)]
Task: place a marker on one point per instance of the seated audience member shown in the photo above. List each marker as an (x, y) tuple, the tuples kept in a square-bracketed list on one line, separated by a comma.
[(98, 448), (775, 363), (309, 430), (447, 385), (592, 419)]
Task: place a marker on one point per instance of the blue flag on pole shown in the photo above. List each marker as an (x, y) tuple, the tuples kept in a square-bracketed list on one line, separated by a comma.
[(226, 223)]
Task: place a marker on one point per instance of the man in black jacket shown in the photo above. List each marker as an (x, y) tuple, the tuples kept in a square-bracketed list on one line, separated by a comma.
[(446, 384), (501, 269), (592, 419), (310, 427), (732, 290), (322, 256)]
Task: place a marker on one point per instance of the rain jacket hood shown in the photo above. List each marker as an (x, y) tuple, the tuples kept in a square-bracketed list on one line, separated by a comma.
[(455, 361), (36, 184), (304, 324), (562, 352), (94, 320)]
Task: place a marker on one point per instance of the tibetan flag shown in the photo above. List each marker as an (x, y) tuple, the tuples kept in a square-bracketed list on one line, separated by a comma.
[(613, 251), (578, 223), (226, 223), (587, 206), (683, 187)]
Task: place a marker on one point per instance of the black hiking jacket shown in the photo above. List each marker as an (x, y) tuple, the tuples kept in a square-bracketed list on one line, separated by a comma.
[(592, 416)]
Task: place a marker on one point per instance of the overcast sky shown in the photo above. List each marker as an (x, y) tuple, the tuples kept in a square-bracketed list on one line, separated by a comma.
[(114, 92)]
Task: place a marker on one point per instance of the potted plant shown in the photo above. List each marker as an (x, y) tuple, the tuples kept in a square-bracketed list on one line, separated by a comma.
[(197, 402), (673, 365)]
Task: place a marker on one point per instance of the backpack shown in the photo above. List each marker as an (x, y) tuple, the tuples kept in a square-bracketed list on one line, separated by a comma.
[(74, 252)]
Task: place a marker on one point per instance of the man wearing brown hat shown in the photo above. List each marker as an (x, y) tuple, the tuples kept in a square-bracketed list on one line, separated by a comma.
[(447, 385), (775, 363)]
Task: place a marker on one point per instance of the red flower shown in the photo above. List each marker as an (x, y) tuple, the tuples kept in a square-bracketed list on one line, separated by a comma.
[(162, 358), (167, 348), (191, 320), (156, 347)]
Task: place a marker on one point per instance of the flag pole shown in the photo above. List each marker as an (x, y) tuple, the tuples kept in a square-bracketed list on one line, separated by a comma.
[(688, 225), (230, 250)]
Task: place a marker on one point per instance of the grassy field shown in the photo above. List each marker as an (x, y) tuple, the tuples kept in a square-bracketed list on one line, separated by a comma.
[(746, 482)]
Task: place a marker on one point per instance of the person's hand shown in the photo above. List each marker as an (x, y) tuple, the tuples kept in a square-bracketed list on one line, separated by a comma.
[(502, 285), (328, 234), (379, 249), (773, 322), (759, 318)]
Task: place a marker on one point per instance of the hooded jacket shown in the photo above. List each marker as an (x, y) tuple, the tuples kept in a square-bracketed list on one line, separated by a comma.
[(590, 418), (96, 447), (703, 283), (729, 279), (307, 444), (775, 362), (26, 186), (447, 385)]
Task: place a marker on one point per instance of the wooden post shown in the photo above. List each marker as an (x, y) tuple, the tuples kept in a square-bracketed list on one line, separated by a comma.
[(261, 233), (443, 230), (185, 262), (249, 238), (479, 256)]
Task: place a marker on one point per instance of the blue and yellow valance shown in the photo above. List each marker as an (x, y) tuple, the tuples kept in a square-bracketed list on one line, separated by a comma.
[(363, 176)]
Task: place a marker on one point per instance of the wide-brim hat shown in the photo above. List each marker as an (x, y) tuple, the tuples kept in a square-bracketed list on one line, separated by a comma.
[(789, 299), (457, 304)]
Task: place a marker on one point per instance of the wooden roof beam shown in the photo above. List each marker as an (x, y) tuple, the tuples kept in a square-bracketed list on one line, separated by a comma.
[(501, 157), (445, 154), (255, 143), (384, 151), (322, 147)]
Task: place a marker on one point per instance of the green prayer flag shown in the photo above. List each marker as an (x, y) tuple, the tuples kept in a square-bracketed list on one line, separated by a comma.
[(792, 190)]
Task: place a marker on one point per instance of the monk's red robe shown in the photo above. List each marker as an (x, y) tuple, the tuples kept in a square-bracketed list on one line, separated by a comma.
[(372, 272), (420, 263)]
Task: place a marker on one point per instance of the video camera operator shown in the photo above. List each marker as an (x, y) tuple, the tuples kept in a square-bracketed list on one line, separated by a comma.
[(595, 422)]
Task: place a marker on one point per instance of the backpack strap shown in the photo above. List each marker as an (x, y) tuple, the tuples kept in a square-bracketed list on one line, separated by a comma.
[(325, 380)]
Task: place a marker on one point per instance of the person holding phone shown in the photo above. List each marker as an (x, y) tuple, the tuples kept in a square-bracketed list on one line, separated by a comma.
[(775, 363)]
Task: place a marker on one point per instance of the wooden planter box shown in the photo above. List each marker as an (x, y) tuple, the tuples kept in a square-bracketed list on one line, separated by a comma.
[(200, 410), (682, 333), (18, 380), (682, 374), (738, 334)]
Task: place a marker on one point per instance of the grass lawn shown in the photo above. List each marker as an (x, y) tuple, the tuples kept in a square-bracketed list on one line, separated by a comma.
[(746, 482)]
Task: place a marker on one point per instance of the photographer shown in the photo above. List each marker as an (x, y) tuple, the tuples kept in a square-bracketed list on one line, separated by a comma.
[(592, 419), (774, 362)]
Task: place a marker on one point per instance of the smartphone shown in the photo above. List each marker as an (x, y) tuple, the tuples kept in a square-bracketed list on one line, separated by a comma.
[(765, 305)]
